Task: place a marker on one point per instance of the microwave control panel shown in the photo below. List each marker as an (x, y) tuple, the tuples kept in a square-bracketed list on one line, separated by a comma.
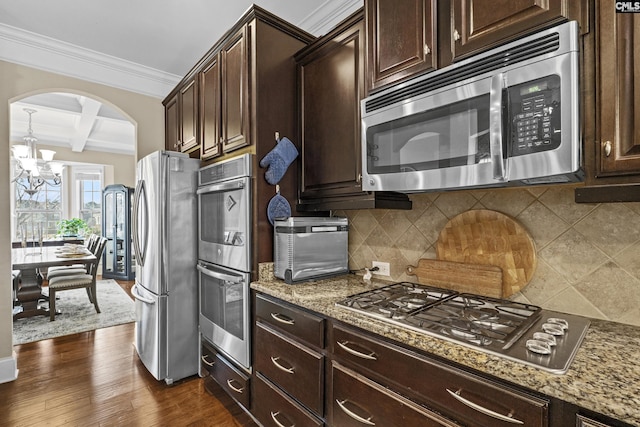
[(535, 116)]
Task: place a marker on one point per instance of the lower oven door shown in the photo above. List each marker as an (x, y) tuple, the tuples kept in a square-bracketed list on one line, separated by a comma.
[(224, 310)]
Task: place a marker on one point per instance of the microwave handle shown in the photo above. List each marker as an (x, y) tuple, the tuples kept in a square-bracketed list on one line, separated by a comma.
[(495, 127)]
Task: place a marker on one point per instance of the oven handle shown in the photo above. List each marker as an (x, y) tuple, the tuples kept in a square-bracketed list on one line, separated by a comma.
[(220, 276), (495, 127), (226, 186)]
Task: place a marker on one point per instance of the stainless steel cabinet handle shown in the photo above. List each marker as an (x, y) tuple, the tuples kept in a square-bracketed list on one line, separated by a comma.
[(456, 35), (205, 361), (274, 360), (278, 423), (489, 412), (370, 356), (236, 389), (427, 51), (283, 319), (353, 415), (607, 148)]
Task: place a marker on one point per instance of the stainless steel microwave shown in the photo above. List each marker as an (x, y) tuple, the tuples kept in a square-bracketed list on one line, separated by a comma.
[(508, 116)]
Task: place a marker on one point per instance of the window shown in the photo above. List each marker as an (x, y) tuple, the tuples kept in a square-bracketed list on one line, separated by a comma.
[(35, 210), (89, 192)]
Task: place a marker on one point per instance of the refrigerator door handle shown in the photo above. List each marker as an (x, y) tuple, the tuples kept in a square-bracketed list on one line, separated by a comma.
[(217, 275), (140, 197), (136, 295)]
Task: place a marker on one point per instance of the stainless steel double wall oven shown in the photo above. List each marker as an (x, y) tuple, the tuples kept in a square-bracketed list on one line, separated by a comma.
[(224, 255)]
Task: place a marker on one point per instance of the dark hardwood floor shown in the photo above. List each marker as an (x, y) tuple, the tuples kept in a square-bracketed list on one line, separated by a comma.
[(96, 379)]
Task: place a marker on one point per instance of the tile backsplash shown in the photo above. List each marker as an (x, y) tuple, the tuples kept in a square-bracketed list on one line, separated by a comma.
[(588, 254)]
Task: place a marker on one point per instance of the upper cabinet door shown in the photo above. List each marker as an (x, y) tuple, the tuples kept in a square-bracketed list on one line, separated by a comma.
[(210, 115), (189, 115), (481, 24), (619, 91), (171, 131), (400, 37), (331, 80), (235, 92)]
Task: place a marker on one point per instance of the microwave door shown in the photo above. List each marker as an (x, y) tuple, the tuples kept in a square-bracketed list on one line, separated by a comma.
[(447, 140)]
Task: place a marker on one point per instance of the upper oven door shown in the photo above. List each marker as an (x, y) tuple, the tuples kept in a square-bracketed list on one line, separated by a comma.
[(224, 230), (447, 139)]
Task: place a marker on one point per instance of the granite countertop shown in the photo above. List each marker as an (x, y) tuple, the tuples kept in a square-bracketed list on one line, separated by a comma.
[(604, 376)]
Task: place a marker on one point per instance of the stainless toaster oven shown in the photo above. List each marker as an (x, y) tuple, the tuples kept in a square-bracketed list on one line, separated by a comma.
[(308, 248)]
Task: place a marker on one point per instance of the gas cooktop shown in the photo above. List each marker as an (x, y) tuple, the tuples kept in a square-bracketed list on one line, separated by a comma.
[(520, 332)]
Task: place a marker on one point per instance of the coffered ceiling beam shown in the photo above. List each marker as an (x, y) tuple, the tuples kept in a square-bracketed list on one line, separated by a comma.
[(90, 109)]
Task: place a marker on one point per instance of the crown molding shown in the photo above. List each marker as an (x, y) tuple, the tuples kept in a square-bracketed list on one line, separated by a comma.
[(44, 53), (328, 15)]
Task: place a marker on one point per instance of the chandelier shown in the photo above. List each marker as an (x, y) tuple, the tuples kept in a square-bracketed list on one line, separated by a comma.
[(37, 172)]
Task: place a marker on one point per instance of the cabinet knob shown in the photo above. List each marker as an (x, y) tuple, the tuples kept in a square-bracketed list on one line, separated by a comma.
[(427, 51), (456, 35), (607, 148)]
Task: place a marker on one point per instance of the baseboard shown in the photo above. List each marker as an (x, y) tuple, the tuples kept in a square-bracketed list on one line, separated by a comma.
[(8, 369)]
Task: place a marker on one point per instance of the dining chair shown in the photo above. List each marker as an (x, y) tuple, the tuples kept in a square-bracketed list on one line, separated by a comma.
[(76, 281), (67, 270)]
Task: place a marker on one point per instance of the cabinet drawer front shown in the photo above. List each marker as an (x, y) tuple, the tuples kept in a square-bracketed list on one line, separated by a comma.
[(358, 401), (295, 368), (275, 409), (303, 325), (473, 400), (232, 380)]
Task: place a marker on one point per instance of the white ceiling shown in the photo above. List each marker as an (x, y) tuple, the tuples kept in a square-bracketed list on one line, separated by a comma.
[(144, 46)]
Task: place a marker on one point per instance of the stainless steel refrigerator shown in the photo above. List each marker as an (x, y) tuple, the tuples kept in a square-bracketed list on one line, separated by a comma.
[(165, 248)]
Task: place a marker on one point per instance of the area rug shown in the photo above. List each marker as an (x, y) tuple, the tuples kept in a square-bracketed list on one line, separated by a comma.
[(78, 314)]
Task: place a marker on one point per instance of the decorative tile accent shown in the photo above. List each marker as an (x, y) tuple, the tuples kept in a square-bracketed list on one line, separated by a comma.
[(588, 254)]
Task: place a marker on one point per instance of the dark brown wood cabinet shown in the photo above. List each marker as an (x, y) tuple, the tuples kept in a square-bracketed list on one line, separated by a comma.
[(478, 25), (234, 58), (288, 358), (224, 98), (234, 381), (356, 401), (612, 146), (210, 109), (331, 79), (181, 118), (459, 395), (401, 37)]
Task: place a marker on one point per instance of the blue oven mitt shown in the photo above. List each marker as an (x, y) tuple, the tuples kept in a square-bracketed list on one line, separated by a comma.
[(278, 160)]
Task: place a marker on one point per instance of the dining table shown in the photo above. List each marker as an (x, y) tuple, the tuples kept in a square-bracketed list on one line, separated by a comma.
[(32, 262)]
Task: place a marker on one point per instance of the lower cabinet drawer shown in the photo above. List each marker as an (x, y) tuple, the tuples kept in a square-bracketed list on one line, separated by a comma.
[(295, 368), (235, 382), (272, 408), (358, 401), (470, 399)]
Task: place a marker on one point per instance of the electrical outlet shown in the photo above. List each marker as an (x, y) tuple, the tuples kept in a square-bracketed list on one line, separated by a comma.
[(383, 268)]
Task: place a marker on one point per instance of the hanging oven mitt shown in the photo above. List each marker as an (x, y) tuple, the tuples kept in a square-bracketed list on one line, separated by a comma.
[(278, 160)]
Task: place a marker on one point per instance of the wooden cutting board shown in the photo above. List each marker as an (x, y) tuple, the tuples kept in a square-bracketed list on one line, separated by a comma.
[(474, 278), (490, 238)]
